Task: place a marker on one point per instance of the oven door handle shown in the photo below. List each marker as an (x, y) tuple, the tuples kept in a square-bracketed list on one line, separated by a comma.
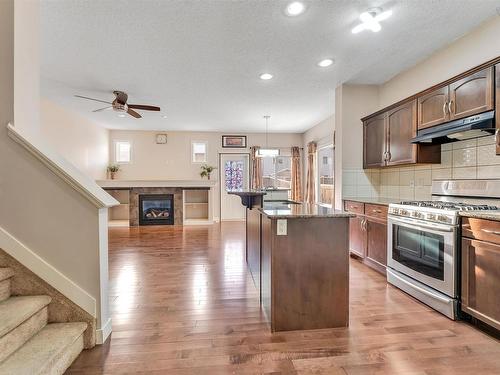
[(420, 289), (420, 225)]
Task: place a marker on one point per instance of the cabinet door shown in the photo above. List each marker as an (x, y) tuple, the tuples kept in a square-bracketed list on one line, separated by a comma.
[(376, 244), (401, 128), (497, 106), (374, 142), (481, 280), (472, 94), (433, 108), (357, 236)]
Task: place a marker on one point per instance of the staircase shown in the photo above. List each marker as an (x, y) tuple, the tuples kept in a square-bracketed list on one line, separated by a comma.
[(28, 344)]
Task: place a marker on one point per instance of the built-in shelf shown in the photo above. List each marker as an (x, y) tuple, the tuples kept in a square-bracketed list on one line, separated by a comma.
[(119, 215), (196, 207)]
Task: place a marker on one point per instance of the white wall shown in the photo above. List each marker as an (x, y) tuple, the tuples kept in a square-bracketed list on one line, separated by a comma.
[(84, 143)]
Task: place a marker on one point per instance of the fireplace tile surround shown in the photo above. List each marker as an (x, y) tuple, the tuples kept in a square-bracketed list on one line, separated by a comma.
[(134, 202)]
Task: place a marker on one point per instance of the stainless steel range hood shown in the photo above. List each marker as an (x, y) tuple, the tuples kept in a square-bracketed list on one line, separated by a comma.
[(458, 130)]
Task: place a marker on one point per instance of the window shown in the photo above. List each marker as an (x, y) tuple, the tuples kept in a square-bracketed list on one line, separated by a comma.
[(199, 152), (122, 151), (326, 192), (277, 172)]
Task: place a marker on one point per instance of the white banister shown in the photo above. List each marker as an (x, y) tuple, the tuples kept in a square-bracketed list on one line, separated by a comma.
[(62, 168)]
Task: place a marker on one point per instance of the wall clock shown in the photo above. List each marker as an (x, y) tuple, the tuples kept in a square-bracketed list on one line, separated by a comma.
[(161, 139)]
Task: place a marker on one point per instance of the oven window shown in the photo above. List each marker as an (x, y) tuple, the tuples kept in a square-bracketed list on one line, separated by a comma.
[(421, 251)]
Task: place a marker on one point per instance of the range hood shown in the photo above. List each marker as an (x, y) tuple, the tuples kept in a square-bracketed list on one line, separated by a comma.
[(458, 130)]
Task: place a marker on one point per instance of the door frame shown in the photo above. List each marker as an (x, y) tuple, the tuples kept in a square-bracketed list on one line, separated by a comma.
[(220, 175)]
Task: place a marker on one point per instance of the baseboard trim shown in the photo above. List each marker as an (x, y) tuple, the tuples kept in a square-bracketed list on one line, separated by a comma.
[(46, 272), (102, 334)]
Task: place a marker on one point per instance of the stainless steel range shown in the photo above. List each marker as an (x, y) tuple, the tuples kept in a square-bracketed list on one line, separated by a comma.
[(423, 240)]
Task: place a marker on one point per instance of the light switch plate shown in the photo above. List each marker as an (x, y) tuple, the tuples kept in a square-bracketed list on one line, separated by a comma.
[(281, 227)]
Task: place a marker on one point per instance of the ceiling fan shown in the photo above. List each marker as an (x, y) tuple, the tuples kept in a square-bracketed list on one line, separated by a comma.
[(120, 104)]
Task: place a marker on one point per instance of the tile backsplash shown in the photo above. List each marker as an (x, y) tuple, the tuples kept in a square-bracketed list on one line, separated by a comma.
[(470, 159)]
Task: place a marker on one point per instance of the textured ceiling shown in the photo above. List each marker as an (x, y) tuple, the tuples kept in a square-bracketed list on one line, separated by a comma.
[(200, 60)]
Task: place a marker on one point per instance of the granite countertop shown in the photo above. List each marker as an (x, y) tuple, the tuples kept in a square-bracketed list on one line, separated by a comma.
[(247, 193), (486, 215), (301, 211), (369, 200)]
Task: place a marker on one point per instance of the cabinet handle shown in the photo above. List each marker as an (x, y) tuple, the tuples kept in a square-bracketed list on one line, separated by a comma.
[(377, 211), (450, 103), (490, 231), (444, 109)]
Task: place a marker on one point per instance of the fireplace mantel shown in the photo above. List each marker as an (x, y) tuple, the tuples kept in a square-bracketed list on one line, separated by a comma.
[(126, 184)]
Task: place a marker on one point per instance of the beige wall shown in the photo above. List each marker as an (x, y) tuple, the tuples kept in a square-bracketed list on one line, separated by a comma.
[(322, 134), (472, 159), (38, 207), (84, 143), (27, 64), (172, 161), (352, 102), (471, 50)]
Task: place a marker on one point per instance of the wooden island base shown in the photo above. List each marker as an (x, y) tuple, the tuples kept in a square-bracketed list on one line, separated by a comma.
[(305, 274)]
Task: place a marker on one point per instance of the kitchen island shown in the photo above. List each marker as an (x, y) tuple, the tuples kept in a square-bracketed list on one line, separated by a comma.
[(298, 256)]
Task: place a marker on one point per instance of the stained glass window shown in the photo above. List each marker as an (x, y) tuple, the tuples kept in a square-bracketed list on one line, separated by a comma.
[(233, 170)]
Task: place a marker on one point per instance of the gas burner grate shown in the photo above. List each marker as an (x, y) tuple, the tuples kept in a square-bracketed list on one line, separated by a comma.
[(451, 206)]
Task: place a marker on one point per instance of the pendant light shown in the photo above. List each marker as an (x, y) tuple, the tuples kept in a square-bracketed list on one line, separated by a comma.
[(262, 152)]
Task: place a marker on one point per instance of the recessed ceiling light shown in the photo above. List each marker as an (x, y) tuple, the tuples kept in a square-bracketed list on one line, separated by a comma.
[(295, 8), (370, 20), (325, 63), (164, 116), (266, 76), (121, 115)]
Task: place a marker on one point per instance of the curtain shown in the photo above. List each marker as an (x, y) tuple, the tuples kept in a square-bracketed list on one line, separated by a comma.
[(311, 173), (256, 180), (296, 183)]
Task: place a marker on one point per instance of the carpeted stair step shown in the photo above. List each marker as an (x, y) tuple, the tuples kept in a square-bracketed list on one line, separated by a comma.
[(50, 351), (20, 319)]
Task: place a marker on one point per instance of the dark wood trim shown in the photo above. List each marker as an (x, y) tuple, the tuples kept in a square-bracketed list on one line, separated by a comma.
[(476, 69), (497, 105)]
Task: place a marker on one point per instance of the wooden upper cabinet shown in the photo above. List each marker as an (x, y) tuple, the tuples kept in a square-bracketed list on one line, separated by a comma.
[(497, 95), (472, 94), (401, 128), (433, 108), (374, 145)]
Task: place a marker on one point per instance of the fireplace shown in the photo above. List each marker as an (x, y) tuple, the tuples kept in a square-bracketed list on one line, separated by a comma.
[(156, 209)]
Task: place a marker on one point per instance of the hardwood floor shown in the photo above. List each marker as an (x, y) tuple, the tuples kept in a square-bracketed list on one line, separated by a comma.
[(183, 302)]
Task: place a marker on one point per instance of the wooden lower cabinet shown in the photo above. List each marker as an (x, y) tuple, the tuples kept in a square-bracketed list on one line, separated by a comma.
[(481, 281), (376, 244), (357, 236), (368, 233)]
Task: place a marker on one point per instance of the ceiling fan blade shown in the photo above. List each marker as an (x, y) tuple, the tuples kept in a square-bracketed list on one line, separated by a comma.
[(102, 109), (133, 113), (95, 100), (144, 107)]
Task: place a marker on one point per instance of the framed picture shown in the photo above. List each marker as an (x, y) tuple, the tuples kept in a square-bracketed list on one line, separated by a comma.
[(234, 141)]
